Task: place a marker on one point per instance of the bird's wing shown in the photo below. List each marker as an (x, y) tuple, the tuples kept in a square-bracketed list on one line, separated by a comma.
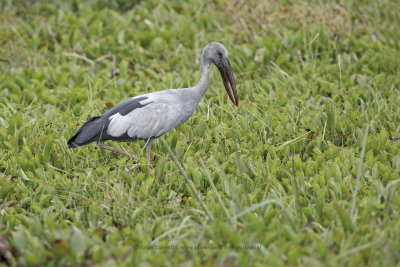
[(95, 128), (126, 106), (158, 113)]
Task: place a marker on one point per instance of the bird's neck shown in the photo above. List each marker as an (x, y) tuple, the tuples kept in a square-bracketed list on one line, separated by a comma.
[(193, 95), (204, 81)]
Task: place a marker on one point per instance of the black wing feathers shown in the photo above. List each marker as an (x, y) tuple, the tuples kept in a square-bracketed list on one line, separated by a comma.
[(126, 106), (87, 133), (95, 129)]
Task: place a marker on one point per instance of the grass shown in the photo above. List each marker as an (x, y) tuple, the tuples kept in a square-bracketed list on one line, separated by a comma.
[(304, 172)]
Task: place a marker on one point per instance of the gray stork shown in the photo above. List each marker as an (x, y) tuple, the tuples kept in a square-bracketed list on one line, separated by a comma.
[(149, 116)]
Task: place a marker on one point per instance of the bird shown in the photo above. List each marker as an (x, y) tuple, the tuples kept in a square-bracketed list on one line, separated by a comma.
[(149, 116)]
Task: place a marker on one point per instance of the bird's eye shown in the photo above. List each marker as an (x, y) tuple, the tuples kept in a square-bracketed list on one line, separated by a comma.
[(219, 54)]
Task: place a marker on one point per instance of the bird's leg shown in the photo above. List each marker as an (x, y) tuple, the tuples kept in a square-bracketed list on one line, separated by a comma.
[(101, 144), (148, 145)]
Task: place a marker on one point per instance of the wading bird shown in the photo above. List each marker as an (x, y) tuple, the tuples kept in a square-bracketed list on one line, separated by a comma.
[(147, 117)]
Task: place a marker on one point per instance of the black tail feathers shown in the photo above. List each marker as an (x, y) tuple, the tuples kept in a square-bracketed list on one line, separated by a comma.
[(89, 132)]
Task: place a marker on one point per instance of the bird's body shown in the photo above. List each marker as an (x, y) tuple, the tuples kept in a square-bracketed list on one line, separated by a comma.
[(148, 116), (141, 117)]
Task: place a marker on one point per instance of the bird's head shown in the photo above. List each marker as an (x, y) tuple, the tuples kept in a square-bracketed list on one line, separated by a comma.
[(217, 54)]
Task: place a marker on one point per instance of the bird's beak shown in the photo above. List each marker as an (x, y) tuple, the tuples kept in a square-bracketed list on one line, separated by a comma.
[(228, 79)]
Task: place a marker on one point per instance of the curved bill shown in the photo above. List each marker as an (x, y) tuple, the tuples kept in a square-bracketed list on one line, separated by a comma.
[(228, 79)]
